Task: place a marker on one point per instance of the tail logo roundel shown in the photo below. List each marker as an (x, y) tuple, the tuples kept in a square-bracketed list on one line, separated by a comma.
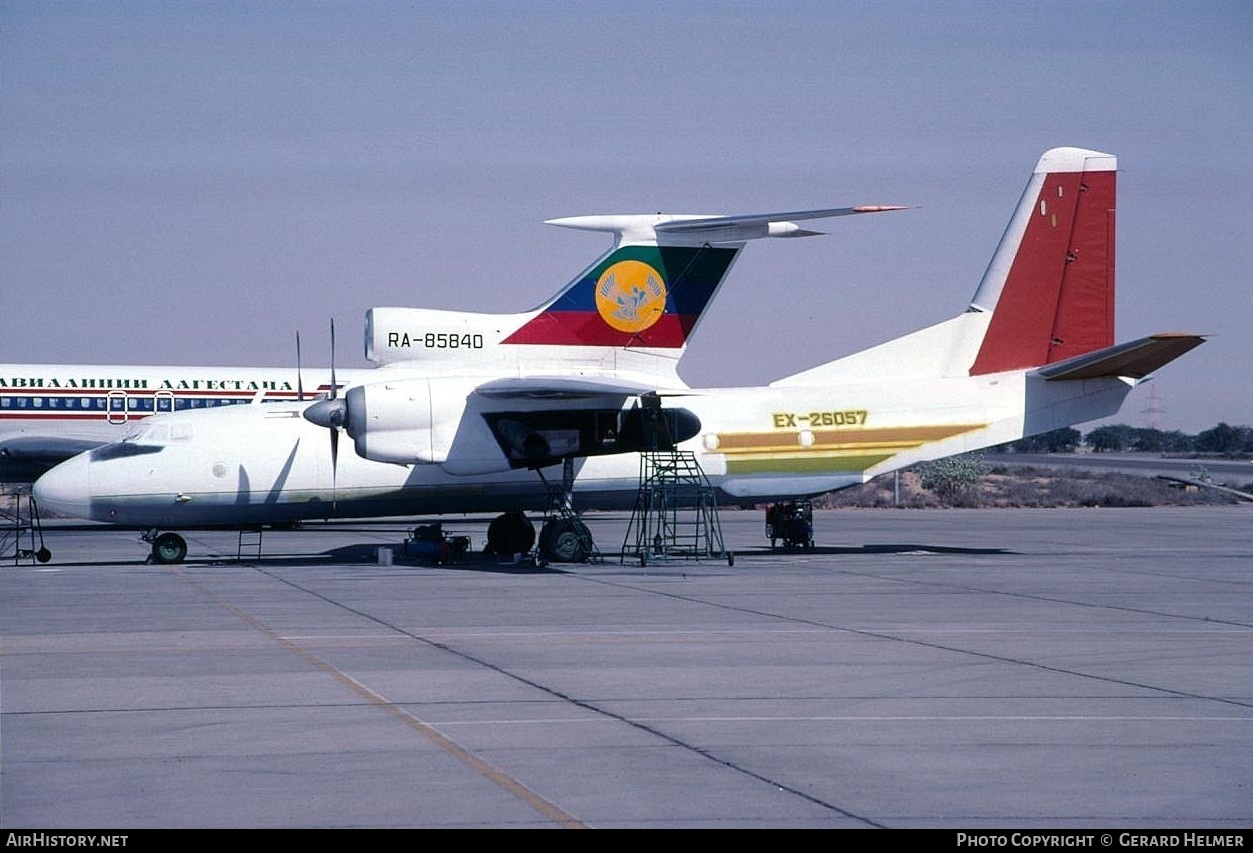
[(630, 296)]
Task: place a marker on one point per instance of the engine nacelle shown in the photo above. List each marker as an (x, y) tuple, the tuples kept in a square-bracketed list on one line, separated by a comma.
[(405, 422), (408, 421)]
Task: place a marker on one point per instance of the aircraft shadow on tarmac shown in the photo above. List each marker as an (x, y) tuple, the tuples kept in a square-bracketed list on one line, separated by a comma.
[(886, 548), (473, 561), (367, 554)]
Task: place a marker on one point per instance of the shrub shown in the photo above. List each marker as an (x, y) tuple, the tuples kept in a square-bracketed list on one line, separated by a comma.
[(954, 479)]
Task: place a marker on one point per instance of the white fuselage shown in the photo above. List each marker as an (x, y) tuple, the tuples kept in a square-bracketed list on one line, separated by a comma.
[(754, 444), (464, 404)]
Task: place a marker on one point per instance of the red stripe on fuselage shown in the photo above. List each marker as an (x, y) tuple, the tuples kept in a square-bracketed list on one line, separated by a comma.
[(179, 394), (53, 415), (586, 328)]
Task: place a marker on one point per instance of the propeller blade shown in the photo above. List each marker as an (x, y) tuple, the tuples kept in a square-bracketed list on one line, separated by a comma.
[(334, 468), (335, 411), (300, 383), (334, 384), (330, 412)]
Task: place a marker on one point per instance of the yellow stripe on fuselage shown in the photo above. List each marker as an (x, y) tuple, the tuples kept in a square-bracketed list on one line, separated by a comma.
[(829, 450)]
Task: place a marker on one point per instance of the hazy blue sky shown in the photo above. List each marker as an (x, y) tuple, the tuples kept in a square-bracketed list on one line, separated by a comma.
[(193, 182)]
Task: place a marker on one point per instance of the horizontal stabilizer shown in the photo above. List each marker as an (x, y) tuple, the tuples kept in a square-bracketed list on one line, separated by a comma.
[(1134, 359), (689, 228), (769, 224)]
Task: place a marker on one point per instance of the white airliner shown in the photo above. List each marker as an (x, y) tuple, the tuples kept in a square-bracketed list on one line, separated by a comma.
[(462, 429)]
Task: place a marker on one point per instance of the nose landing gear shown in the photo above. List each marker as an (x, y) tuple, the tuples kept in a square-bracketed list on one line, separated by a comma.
[(167, 548)]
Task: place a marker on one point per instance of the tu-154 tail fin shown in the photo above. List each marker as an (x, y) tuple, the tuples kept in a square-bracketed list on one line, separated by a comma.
[(631, 312)]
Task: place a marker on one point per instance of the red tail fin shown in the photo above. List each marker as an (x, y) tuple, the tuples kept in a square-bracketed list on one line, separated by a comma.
[(1051, 283)]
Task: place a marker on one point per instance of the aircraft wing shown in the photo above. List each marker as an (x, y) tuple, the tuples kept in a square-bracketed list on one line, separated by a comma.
[(568, 388), (1134, 359)]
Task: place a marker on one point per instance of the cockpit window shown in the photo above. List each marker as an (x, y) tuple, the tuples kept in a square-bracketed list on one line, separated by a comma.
[(123, 449), (157, 431), (155, 434)]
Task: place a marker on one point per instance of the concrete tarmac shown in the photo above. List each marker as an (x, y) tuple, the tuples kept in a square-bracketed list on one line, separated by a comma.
[(980, 669)]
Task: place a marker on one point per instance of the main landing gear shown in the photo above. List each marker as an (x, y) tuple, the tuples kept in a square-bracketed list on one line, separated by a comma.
[(564, 538), (561, 539), (167, 548), (510, 533)]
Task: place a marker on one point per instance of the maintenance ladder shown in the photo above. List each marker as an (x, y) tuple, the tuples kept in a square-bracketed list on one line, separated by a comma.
[(676, 512), (249, 541), (19, 519)]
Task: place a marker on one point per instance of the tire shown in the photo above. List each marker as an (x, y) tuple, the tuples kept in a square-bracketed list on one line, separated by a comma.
[(510, 533), (169, 548), (563, 541)]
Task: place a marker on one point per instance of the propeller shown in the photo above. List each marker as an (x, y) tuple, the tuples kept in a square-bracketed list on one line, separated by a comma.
[(331, 413)]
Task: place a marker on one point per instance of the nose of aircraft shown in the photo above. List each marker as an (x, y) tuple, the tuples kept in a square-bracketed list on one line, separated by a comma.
[(66, 489)]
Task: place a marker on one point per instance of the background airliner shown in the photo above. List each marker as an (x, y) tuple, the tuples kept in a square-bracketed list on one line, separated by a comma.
[(50, 412)]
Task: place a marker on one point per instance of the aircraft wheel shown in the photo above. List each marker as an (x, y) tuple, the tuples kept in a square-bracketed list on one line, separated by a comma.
[(169, 548), (563, 541), (510, 533), (43, 555)]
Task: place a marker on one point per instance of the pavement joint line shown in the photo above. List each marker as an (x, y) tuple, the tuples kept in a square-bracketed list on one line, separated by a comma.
[(883, 635), (465, 756), (589, 706)]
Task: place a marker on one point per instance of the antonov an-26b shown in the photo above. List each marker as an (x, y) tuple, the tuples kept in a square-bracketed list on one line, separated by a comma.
[(466, 407)]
